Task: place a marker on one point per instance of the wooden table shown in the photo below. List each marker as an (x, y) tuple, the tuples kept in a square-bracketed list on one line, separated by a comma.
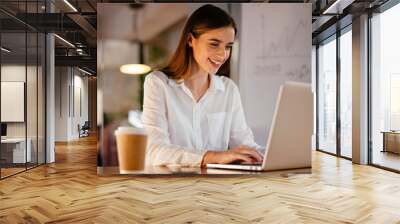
[(195, 171)]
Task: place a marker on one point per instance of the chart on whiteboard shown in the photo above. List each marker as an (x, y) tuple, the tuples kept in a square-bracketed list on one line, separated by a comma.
[(280, 44), (275, 47)]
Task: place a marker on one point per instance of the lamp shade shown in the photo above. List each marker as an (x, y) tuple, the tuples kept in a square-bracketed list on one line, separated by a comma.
[(135, 69)]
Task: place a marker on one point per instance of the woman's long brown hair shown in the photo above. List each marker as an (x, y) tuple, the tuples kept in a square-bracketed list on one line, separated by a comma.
[(205, 18)]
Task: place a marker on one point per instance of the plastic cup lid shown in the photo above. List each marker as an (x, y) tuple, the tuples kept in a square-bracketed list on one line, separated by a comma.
[(130, 130)]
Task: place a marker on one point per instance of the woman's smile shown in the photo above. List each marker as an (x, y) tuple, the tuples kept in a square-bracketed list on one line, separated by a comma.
[(215, 63)]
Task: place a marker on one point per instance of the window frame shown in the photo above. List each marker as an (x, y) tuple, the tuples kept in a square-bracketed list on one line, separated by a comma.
[(335, 36)]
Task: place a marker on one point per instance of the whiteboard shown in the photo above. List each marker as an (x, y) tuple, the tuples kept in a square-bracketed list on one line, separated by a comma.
[(12, 101), (275, 46)]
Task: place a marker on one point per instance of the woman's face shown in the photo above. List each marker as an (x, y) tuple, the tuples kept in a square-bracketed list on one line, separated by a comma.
[(212, 48)]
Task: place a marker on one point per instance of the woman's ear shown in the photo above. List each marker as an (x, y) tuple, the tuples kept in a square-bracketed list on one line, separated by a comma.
[(190, 39)]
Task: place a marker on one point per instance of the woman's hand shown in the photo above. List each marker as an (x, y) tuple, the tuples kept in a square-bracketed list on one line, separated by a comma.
[(241, 153), (255, 155)]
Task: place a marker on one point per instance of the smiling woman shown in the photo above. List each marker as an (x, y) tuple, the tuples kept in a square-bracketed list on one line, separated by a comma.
[(192, 112)]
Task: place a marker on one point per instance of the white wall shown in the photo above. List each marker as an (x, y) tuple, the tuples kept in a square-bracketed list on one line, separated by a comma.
[(80, 103), (71, 87), (12, 101), (112, 82), (61, 103), (16, 73), (275, 46), (33, 125)]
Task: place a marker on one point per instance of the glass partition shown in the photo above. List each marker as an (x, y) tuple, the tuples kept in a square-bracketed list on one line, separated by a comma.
[(346, 93), (22, 89), (327, 96), (31, 99), (41, 109), (14, 152), (385, 87)]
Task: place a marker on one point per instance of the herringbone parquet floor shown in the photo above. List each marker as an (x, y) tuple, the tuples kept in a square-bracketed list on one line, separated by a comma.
[(70, 191)]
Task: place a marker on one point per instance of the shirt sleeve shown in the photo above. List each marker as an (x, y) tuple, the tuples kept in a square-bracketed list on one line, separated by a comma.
[(240, 133), (160, 151)]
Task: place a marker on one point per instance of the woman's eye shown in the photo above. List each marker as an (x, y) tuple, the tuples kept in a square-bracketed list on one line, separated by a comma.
[(214, 45)]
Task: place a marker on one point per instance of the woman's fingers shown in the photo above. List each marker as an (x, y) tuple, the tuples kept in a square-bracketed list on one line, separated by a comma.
[(240, 156), (250, 151), (230, 156)]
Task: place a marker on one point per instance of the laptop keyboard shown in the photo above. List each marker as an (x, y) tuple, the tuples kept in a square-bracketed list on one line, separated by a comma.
[(246, 163)]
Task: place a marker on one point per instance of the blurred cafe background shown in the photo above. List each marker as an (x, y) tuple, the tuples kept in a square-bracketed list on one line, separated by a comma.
[(263, 57)]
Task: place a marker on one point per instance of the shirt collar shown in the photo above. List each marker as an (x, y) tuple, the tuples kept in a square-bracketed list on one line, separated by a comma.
[(173, 82), (215, 84)]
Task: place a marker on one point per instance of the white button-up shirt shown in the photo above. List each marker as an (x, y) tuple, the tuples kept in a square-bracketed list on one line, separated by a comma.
[(181, 130)]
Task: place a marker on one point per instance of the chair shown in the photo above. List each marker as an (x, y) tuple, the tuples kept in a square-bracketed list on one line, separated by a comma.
[(84, 130)]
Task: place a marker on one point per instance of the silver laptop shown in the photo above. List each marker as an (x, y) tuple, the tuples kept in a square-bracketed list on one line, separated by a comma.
[(289, 141)]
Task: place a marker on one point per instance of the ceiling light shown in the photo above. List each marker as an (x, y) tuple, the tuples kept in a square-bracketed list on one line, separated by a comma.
[(5, 50), (65, 41), (70, 5), (135, 69)]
